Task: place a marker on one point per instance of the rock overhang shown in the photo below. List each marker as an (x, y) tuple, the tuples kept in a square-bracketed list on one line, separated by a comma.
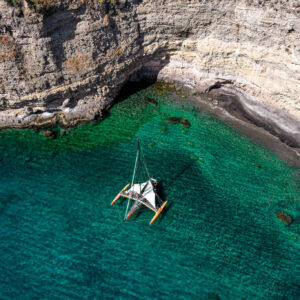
[(250, 50)]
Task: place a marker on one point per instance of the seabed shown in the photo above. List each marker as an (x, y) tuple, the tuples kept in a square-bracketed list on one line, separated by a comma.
[(218, 236)]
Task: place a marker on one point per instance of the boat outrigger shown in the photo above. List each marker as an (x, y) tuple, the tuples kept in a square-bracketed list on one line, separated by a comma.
[(140, 191)]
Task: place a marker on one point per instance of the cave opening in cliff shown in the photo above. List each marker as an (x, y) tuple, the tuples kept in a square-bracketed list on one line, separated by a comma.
[(132, 86), (142, 77), (150, 85)]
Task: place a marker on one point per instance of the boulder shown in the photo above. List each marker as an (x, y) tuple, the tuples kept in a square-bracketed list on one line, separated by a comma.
[(185, 122), (151, 100), (284, 217), (173, 120), (49, 133)]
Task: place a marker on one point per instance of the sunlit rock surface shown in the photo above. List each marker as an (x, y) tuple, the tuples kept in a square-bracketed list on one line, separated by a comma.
[(67, 64)]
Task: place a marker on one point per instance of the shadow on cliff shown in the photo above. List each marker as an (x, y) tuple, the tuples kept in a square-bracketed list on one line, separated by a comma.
[(60, 27)]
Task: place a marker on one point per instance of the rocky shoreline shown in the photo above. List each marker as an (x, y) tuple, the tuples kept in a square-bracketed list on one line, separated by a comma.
[(223, 108), (67, 65), (276, 121)]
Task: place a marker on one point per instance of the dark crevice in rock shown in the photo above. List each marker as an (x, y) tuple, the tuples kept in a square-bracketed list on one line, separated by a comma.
[(22, 104), (218, 85), (54, 103)]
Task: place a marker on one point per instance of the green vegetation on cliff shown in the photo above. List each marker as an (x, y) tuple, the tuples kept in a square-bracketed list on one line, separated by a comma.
[(50, 3)]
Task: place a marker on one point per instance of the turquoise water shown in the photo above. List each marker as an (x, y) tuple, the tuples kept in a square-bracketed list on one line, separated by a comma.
[(219, 235)]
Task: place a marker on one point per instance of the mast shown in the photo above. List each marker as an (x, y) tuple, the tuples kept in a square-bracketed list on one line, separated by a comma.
[(142, 196), (136, 159), (144, 162), (133, 177), (147, 173)]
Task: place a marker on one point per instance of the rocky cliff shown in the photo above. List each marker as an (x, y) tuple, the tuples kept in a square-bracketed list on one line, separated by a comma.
[(66, 61)]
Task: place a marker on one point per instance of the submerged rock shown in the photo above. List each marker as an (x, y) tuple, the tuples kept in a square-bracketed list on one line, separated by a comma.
[(49, 133), (173, 120), (201, 159), (196, 157), (284, 217), (151, 100), (152, 144), (63, 132), (176, 120), (185, 122), (213, 296)]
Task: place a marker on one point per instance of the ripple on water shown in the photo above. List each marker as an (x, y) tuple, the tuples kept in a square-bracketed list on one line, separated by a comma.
[(218, 237)]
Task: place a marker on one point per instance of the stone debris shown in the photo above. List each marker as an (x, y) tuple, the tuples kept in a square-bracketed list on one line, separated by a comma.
[(284, 217), (151, 100), (49, 133), (173, 120), (185, 122)]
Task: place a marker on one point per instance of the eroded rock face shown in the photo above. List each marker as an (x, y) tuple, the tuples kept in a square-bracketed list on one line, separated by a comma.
[(68, 64)]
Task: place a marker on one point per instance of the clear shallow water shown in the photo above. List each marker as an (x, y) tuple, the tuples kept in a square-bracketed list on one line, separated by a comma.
[(60, 239)]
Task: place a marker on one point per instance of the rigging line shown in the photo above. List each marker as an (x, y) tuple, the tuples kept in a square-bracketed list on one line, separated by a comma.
[(147, 172), (126, 209), (140, 173), (144, 162), (160, 200), (134, 170), (136, 159)]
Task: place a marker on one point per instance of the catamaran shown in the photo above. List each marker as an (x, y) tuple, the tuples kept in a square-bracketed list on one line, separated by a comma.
[(142, 189)]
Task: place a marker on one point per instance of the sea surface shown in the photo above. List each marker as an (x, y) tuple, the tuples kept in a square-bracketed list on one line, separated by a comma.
[(218, 238)]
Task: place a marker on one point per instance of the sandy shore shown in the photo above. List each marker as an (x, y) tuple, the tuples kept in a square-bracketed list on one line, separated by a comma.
[(237, 119)]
